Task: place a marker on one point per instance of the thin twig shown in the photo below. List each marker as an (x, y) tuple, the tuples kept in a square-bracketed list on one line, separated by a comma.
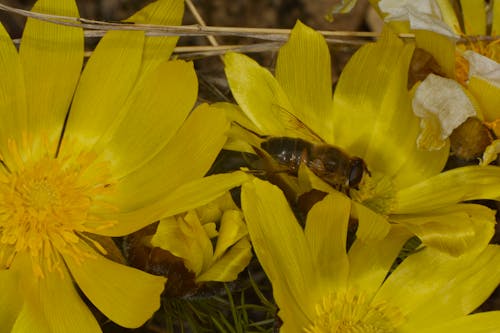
[(195, 52), (99, 28), (200, 21)]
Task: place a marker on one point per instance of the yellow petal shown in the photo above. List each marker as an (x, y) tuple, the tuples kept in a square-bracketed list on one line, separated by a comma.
[(12, 98), (185, 238), (10, 298), (188, 196), (31, 319), (371, 225), (486, 94), (474, 15), (490, 153), (125, 295), (307, 181), (106, 82), (303, 69), (186, 157), (326, 234), (442, 48), (164, 97), (51, 56), (202, 251), (371, 100), (495, 26), (461, 184), (485, 322), (230, 264), (371, 260), (257, 92), (234, 113), (63, 307), (161, 12), (468, 286), (282, 250), (213, 211), (232, 229), (453, 285), (454, 229), (449, 16), (243, 134)]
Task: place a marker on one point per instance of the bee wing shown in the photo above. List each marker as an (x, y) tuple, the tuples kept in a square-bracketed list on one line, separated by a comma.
[(295, 125)]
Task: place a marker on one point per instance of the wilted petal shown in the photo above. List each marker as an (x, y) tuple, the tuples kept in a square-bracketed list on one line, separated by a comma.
[(422, 15), (483, 67), (440, 101)]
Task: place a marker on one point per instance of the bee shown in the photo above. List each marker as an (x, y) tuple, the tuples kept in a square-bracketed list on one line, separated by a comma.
[(285, 154), (328, 162)]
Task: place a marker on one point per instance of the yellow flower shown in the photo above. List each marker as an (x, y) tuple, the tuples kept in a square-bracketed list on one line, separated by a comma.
[(320, 287), (473, 61), (124, 156), (188, 236), (369, 117)]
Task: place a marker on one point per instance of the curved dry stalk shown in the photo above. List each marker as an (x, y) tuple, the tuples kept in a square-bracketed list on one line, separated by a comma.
[(98, 28)]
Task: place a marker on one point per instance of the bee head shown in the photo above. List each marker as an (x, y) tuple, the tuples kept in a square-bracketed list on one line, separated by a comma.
[(357, 169)]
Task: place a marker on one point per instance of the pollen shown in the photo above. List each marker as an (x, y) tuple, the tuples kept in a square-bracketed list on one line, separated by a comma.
[(47, 208), (353, 312)]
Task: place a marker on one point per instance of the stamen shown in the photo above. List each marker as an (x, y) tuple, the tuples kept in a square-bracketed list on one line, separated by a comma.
[(47, 203), (352, 312)]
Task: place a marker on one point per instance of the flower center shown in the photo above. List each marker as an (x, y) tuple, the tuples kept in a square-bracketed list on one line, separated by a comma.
[(46, 207), (353, 312)]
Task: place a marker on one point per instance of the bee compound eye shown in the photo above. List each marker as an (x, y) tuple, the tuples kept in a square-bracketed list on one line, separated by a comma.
[(358, 167)]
